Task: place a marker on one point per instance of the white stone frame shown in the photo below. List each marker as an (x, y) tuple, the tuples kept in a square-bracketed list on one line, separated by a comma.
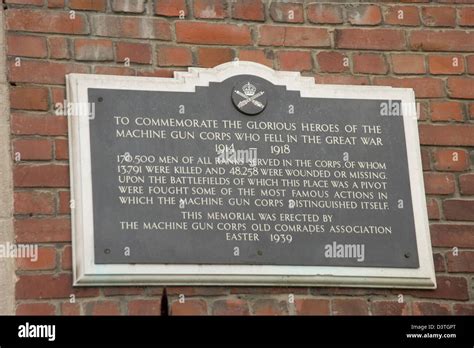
[(86, 273)]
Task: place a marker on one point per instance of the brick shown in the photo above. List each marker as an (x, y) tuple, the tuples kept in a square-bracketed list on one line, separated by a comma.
[(124, 291), (264, 57), (408, 64), (44, 72), (209, 57), (444, 65), (230, 307), (93, 50), (439, 183), (449, 288), (438, 16), (209, 9), (35, 309), (446, 111), (402, 15), (370, 39), (46, 286), (452, 160), (312, 307), (171, 8), (189, 307), (212, 33), (64, 205), (103, 308), (174, 56), (30, 124), (66, 258), (197, 290), (43, 230), (389, 308), (470, 64), (433, 209), (270, 307), (155, 290), (462, 262), (46, 260), (240, 290), (29, 98), (451, 135), (58, 95), (286, 12), (439, 263), (332, 62), (463, 309), (425, 87), (55, 3), (423, 110), (369, 63), (88, 5), (114, 70), (58, 48), (466, 16), (144, 307), (26, 2), (432, 40), (33, 202), (466, 184), (324, 14), (295, 60), (138, 53), (250, 10), (32, 149), (44, 175), (45, 21), (349, 307), (342, 80), (58, 101), (471, 111), (459, 209), (339, 291), (61, 149), (426, 159), (430, 308), (70, 308), (128, 6), (26, 46), (449, 235), (130, 27), (293, 36), (364, 15), (460, 87)]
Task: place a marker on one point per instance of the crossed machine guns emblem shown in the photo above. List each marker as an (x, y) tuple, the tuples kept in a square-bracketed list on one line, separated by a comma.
[(250, 103)]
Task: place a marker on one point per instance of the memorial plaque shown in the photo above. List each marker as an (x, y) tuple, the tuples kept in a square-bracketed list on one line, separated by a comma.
[(244, 175)]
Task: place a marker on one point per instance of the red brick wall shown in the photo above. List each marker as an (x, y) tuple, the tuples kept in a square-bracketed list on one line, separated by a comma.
[(422, 45)]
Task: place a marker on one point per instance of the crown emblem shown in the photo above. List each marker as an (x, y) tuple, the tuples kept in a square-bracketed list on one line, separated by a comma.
[(249, 98), (249, 89)]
